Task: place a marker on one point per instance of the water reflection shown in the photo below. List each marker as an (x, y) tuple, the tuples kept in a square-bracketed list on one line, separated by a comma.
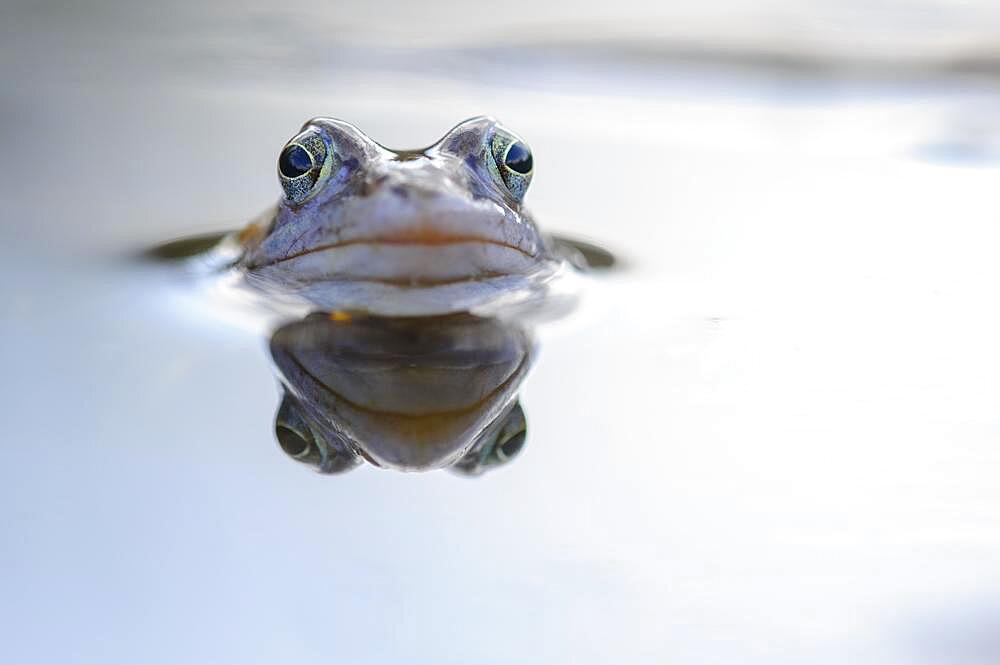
[(410, 394)]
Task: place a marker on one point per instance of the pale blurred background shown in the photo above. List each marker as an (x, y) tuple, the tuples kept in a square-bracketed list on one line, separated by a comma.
[(771, 438)]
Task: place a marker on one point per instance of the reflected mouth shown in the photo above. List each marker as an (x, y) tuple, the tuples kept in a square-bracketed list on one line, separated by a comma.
[(396, 436)]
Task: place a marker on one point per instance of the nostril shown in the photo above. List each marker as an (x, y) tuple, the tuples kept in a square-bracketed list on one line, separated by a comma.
[(401, 191), (372, 184)]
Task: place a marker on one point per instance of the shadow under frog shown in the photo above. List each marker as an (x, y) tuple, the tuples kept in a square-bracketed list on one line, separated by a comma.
[(410, 394)]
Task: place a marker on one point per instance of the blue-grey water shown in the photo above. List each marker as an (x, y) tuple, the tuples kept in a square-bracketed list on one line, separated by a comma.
[(772, 437)]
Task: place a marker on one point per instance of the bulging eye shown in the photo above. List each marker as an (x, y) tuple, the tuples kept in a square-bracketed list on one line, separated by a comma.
[(518, 158), (304, 164), (295, 161), (512, 165)]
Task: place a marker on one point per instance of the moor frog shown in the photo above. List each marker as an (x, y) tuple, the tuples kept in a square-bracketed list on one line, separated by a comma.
[(401, 232)]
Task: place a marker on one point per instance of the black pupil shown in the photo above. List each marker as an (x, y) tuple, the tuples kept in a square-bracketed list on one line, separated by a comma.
[(290, 442), (294, 161), (513, 445), (518, 159)]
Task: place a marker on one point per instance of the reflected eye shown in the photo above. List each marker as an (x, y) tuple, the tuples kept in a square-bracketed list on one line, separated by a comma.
[(512, 164), (503, 446), (304, 444), (294, 435), (304, 164), (511, 447), (292, 443), (511, 437)]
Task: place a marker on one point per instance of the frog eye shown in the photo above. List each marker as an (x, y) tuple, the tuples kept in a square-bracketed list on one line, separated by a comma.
[(303, 164), (512, 165)]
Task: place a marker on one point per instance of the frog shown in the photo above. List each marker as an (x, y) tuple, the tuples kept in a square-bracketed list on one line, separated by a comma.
[(415, 276), (402, 232)]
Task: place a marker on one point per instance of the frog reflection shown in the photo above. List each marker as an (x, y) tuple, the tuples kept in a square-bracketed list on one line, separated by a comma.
[(410, 394)]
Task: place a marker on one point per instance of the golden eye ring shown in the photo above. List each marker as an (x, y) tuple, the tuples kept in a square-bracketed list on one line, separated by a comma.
[(304, 164)]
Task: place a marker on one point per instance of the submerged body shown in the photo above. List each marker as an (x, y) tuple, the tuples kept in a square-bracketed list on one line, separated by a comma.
[(417, 232)]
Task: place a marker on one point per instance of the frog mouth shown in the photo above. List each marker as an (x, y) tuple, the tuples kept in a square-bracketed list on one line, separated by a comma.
[(415, 257), (407, 240)]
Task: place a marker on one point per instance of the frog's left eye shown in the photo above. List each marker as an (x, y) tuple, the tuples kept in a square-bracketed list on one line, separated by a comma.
[(304, 163), (512, 164)]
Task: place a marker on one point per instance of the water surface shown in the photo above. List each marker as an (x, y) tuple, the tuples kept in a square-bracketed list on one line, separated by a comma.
[(770, 438)]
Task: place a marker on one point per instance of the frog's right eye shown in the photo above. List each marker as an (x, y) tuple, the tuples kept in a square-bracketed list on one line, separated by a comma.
[(304, 163), (511, 163), (295, 161)]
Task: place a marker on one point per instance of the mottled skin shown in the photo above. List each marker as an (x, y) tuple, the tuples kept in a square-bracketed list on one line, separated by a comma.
[(400, 232)]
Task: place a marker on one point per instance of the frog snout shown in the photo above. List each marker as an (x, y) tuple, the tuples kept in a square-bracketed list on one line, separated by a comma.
[(416, 185), (387, 187)]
